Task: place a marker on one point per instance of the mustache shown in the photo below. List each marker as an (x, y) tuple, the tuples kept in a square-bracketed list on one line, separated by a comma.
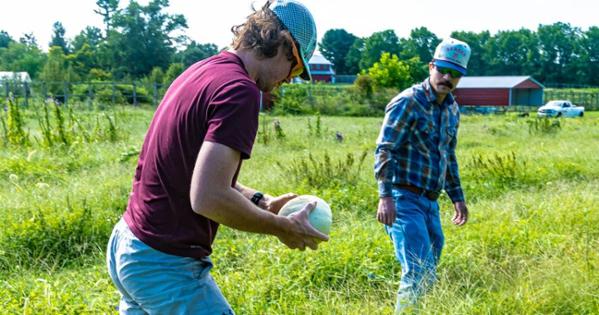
[(447, 84)]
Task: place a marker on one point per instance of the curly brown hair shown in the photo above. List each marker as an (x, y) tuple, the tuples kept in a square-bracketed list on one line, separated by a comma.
[(264, 33)]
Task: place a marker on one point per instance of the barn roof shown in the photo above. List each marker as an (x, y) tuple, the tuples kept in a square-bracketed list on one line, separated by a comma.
[(507, 82), (9, 75), (319, 60)]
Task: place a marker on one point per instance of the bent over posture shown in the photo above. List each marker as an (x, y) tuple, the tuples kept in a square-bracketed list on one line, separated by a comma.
[(185, 182)]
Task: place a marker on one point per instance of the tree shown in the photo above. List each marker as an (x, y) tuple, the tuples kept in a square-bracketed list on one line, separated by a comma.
[(58, 39), (418, 69), (352, 59), (174, 70), (558, 46), (195, 52), (390, 72), (86, 54), (142, 39), (512, 53), (479, 58), (92, 36), (377, 44), (107, 9), (421, 44), (590, 56), (28, 39), (57, 71), (22, 57), (82, 61), (5, 39), (156, 76), (334, 46)]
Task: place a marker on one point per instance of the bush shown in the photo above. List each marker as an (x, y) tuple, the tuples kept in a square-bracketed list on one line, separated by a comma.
[(52, 241), (390, 72), (543, 125), (326, 99), (324, 172)]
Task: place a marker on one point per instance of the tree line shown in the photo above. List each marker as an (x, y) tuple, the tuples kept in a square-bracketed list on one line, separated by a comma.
[(140, 42), (558, 53), (137, 42)]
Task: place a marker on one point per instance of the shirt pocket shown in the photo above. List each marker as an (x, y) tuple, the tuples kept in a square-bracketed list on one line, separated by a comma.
[(422, 137), (450, 134)]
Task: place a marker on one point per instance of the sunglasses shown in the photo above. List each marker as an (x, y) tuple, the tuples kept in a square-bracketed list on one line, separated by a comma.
[(298, 66), (454, 73)]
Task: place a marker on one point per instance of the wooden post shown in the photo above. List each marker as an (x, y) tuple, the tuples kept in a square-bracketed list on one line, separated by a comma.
[(113, 93), (155, 93), (7, 88), (134, 94), (44, 90), (26, 92), (90, 94), (65, 89)]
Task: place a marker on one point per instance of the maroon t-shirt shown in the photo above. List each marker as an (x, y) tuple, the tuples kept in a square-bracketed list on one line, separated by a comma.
[(213, 100)]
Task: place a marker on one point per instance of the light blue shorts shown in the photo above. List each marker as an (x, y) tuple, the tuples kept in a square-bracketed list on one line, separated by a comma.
[(153, 282)]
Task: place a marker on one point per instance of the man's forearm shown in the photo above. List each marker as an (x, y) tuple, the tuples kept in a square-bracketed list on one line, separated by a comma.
[(248, 193), (236, 211)]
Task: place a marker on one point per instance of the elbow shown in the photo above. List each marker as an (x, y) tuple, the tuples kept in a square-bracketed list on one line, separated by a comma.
[(203, 203)]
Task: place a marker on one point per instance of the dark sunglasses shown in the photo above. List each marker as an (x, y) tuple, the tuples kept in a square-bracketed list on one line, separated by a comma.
[(454, 73)]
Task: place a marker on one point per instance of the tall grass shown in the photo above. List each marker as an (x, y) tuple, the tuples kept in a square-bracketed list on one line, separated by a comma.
[(529, 248), (48, 124)]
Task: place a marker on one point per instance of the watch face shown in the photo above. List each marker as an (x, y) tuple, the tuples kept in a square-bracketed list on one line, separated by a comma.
[(257, 197)]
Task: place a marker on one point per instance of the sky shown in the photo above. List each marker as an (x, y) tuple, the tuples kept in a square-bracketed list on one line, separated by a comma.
[(211, 21)]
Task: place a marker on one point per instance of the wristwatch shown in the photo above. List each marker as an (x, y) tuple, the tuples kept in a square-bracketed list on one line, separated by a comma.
[(257, 197)]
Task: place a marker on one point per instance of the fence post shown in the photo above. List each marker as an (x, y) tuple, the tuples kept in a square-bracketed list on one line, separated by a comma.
[(7, 88), (65, 89), (44, 90), (113, 92), (26, 92), (90, 94), (155, 93), (134, 94)]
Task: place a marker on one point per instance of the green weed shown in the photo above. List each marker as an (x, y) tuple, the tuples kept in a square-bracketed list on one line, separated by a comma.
[(324, 172)]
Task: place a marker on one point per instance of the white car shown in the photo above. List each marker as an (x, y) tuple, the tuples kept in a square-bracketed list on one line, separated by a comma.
[(560, 109)]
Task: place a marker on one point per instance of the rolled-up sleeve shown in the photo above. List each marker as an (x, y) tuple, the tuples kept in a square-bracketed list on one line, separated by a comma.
[(394, 131)]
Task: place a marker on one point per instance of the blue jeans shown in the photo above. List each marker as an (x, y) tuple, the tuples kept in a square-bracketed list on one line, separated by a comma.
[(418, 240), (153, 282)]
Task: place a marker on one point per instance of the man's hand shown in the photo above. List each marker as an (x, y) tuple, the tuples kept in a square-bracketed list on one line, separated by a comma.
[(274, 204), (386, 211), (301, 233), (461, 213)]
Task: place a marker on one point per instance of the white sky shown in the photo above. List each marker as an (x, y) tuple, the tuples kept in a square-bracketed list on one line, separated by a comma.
[(210, 21)]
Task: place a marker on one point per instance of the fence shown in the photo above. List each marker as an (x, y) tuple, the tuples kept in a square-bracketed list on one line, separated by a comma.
[(589, 99), (151, 93), (111, 92)]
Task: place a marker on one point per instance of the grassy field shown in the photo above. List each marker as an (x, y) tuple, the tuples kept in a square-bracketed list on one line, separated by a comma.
[(530, 246)]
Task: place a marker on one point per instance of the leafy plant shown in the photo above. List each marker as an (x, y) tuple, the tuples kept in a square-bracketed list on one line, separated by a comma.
[(279, 133), (324, 171), (497, 170), (543, 125), (14, 128)]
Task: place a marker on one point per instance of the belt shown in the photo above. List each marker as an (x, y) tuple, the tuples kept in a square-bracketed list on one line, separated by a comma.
[(430, 195)]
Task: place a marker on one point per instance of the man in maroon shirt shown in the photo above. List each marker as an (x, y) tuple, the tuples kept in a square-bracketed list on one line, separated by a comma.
[(185, 181)]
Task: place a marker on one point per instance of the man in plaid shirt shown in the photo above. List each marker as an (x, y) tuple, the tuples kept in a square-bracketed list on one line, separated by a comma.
[(415, 161)]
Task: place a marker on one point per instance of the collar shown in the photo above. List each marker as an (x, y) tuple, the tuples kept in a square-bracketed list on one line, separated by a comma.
[(431, 96)]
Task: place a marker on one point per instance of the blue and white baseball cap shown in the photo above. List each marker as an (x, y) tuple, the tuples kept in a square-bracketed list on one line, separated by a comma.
[(300, 23), (452, 53)]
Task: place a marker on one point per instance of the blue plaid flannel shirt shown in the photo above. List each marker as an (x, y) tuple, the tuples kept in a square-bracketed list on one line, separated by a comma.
[(416, 144)]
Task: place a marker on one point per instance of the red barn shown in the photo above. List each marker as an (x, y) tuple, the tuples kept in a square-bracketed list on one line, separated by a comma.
[(499, 91), (321, 69)]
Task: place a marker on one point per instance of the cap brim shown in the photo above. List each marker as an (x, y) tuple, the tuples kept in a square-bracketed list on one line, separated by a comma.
[(305, 75), (447, 64)]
